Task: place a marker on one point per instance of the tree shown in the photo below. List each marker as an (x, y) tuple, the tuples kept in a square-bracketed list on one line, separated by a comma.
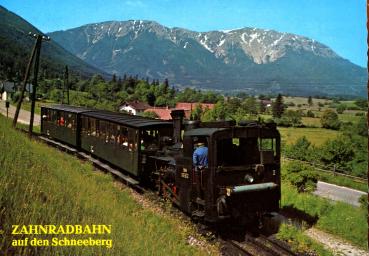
[(310, 113), (290, 118), (150, 114), (196, 112), (114, 78), (362, 103), (300, 150), (340, 108), (339, 151), (166, 85), (310, 101), (151, 99), (362, 127), (278, 107), (249, 106), (330, 120), (301, 176)]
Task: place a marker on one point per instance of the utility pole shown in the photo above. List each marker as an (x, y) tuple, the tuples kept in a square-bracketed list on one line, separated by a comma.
[(24, 84), (39, 39), (66, 84), (35, 52)]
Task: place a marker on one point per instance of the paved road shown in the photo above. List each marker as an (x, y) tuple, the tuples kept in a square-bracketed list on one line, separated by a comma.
[(338, 193), (24, 116)]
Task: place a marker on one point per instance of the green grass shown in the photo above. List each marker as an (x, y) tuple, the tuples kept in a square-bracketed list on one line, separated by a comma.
[(342, 181), (40, 185), (300, 242), (311, 121), (348, 117), (317, 136), (26, 105), (343, 220)]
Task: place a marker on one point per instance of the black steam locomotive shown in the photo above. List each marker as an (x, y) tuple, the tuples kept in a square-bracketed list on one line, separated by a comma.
[(242, 180)]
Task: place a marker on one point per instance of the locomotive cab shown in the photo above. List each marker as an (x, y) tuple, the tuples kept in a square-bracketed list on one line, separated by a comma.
[(242, 179)]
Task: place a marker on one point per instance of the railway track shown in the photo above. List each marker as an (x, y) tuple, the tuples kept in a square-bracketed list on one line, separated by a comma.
[(256, 246)]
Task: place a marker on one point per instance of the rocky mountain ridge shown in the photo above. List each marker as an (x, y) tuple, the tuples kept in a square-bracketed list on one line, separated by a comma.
[(250, 59)]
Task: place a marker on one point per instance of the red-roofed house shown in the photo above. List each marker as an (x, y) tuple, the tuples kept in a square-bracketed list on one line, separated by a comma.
[(162, 112), (133, 107), (188, 107)]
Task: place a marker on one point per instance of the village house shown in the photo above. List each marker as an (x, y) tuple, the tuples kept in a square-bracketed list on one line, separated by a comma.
[(133, 107), (7, 89), (188, 107), (162, 112)]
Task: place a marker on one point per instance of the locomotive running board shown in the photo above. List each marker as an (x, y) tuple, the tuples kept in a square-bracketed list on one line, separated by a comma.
[(95, 162)]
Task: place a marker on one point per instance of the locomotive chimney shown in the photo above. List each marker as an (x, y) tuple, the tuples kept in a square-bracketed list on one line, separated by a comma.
[(177, 116)]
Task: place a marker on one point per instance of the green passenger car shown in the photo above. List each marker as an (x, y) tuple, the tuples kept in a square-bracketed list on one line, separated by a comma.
[(62, 122), (122, 139)]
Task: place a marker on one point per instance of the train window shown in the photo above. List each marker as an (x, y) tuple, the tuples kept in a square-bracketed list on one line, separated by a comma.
[(112, 133), (92, 126), (123, 138), (54, 116), (150, 139), (61, 119), (69, 121), (84, 126), (102, 130), (267, 144), (132, 139), (237, 151)]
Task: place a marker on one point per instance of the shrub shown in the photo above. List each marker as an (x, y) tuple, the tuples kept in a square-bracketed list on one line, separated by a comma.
[(360, 114), (363, 200), (310, 113), (301, 176), (341, 108), (16, 97), (150, 114), (362, 127), (290, 118), (300, 150), (330, 120), (339, 151)]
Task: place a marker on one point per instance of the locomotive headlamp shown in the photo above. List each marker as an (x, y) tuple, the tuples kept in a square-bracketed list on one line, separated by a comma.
[(249, 178)]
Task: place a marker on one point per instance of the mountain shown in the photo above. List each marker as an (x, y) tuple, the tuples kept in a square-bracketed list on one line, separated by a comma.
[(247, 59), (16, 46)]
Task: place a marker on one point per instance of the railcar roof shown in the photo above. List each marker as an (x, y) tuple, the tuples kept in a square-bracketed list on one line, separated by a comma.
[(203, 131), (125, 119), (69, 108)]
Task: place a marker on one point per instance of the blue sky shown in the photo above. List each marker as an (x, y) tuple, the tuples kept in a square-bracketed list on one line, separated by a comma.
[(339, 24)]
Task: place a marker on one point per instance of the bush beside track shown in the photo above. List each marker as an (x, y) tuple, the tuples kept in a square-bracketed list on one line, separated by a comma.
[(40, 185)]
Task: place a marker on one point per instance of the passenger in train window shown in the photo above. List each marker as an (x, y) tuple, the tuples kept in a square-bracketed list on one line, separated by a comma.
[(61, 121), (112, 139), (125, 141)]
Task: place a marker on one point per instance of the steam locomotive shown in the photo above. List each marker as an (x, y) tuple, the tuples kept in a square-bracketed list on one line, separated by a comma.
[(242, 180)]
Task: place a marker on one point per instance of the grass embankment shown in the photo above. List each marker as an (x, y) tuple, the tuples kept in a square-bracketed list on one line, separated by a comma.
[(40, 185), (337, 218), (300, 242)]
